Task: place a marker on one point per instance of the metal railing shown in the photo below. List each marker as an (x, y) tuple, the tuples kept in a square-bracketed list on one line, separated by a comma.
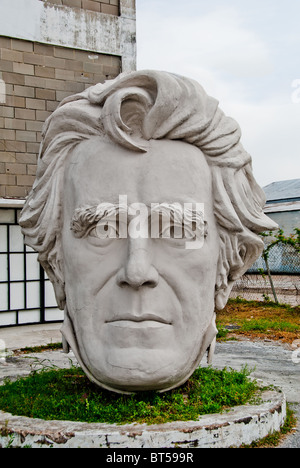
[(26, 294)]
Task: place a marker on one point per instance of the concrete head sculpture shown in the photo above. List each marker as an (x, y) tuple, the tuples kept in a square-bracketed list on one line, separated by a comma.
[(144, 212)]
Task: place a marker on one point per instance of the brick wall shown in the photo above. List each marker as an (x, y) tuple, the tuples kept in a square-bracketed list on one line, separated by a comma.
[(110, 7), (37, 77)]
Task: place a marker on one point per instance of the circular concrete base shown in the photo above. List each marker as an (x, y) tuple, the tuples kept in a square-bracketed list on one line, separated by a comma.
[(240, 425)]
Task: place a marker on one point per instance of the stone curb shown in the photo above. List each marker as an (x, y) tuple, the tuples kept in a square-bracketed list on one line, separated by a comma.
[(241, 425)]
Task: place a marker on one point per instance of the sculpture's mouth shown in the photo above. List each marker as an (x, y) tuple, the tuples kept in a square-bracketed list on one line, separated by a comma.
[(136, 321)]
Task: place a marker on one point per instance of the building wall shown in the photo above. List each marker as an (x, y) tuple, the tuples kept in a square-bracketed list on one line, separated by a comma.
[(110, 7), (287, 220), (73, 27), (48, 50), (37, 77)]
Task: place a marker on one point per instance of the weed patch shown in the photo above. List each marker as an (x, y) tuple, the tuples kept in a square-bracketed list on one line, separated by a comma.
[(261, 319), (67, 394)]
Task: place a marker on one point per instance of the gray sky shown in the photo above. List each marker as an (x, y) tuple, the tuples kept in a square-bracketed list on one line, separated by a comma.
[(246, 54)]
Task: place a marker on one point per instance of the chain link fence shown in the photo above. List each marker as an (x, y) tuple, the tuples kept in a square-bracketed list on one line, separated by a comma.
[(284, 266)]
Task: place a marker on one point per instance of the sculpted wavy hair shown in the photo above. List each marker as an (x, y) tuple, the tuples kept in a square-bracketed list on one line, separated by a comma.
[(131, 110)]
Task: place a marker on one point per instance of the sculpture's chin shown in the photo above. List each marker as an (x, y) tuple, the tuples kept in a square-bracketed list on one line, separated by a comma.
[(149, 371)]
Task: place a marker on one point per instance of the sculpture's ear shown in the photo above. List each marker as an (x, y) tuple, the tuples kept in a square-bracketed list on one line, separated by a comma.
[(222, 295), (60, 295), (53, 266), (238, 252)]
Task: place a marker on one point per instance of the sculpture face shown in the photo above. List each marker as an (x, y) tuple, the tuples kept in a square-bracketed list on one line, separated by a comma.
[(140, 306)]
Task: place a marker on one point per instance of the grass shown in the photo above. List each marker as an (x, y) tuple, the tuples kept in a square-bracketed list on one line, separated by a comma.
[(67, 394), (259, 320), (39, 349), (272, 325)]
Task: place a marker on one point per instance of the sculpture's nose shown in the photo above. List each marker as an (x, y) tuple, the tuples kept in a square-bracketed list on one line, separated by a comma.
[(138, 269)]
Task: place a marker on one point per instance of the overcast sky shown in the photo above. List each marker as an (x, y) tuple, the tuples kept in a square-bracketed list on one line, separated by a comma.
[(246, 54)]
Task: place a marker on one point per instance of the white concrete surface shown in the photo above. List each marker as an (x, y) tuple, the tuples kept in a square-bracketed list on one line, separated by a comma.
[(30, 335)]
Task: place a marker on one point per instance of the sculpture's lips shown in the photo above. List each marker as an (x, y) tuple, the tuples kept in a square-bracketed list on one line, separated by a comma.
[(138, 321)]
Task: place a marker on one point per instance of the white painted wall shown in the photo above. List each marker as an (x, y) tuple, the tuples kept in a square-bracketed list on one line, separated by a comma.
[(34, 20)]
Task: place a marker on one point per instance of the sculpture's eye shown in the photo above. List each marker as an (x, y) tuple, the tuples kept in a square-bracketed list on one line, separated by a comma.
[(171, 231), (190, 231), (179, 231), (105, 231), (178, 234)]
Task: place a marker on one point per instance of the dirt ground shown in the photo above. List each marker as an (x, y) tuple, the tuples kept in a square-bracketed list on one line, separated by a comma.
[(257, 320)]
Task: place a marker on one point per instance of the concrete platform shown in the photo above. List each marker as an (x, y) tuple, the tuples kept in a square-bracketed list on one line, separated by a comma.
[(30, 335), (272, 362), (241, 425)]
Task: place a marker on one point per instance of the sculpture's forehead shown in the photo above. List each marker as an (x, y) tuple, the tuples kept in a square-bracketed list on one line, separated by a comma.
[(170, 171)]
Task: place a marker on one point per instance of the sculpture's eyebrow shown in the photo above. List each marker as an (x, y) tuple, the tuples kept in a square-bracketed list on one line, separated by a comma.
[(173, 211), (87, 216), (177, 212), (186, 214)]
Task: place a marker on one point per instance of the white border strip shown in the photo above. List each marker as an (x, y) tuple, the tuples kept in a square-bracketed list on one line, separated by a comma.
[(11, 203)]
